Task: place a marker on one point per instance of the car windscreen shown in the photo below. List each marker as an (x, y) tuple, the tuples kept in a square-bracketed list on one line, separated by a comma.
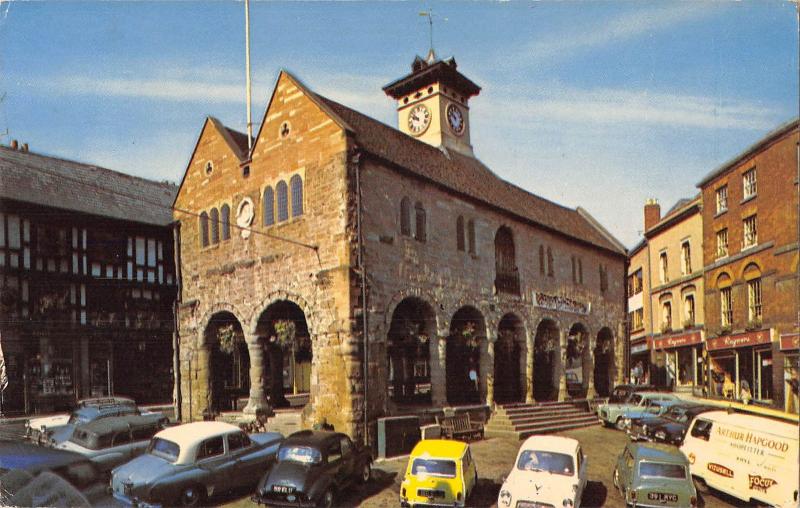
[(662, 470), (163, 448), (551, 462), (619, 395), (434, 467), (299, 454), (76, 418)]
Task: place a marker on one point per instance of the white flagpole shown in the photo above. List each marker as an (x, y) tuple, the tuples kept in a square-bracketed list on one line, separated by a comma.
[(247, 68), (3, 376)]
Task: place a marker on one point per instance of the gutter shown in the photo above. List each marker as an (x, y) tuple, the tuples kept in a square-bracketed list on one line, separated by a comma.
[(176, 342)]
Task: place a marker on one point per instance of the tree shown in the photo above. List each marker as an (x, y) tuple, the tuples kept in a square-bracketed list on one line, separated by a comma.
[(281, 341)]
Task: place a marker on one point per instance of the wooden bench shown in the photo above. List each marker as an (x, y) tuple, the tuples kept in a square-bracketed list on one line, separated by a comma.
[(460, 426)]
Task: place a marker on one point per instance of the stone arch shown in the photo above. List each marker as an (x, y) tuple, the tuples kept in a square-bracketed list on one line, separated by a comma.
[(510, 352), (425, 296), (408, 353), (312, 318), (224, 359), (218, 307), (546, 357), (463, 355), (604, 362), (752, 270), (578, 366), (723, 279)]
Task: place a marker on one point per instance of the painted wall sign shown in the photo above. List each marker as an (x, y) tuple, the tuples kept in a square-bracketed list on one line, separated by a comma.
[(687, 339), (561, 303), (790, 341), (739, 340)]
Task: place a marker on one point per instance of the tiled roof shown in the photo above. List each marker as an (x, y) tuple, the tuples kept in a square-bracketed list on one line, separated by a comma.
[(467, 176), (68, 185)]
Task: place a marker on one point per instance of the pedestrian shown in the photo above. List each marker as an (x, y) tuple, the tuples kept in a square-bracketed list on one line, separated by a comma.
[(744, 392)]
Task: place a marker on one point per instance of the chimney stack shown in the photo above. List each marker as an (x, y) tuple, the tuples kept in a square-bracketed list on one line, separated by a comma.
[(652, 213), (14, 144), (24, 147)]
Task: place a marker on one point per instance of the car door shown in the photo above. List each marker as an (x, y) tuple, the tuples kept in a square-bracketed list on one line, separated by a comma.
[(582, 474), (336, 464), (115, 450), (248, 459), (140, 438), (630, 466), (215, 463)]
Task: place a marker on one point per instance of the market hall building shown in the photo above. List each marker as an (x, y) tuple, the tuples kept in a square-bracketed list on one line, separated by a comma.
[(87, 283), (472, 290)]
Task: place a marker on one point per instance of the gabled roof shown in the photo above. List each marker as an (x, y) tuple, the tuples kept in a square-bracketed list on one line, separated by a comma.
[(68, 185), (467, 176)]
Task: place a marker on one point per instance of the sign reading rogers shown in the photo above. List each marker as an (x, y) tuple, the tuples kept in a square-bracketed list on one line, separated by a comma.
[(790, 341), (561, 303), (739, 340), (677, 341)]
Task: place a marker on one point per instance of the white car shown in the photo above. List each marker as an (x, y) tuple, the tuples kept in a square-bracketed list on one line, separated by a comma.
[(549, 471)]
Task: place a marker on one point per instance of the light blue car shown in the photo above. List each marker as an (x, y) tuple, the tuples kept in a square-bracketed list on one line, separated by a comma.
[(615, 414)]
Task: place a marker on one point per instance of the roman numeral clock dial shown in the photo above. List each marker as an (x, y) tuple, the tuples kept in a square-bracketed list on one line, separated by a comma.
[(455, 118), (419, 118)]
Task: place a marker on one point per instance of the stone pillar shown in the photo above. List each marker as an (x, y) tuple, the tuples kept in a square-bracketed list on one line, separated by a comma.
[(619, 367), (590, 390), (200, 373), (438, 363), (487, 370), (528, 369), (258, 400), (560, 370)]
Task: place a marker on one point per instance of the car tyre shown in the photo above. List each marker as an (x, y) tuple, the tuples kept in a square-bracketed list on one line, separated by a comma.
[(701, 485), (619, 424), (194, 495), (616, 478), (366, 473)]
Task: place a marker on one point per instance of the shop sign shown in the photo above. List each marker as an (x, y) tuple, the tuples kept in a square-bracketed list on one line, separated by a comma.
[(739, 340), (687, 339), (639, 348), (790, 341), (561, 303)]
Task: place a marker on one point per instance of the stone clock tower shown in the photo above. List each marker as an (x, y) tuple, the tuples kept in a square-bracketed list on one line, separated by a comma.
[(432, 103)]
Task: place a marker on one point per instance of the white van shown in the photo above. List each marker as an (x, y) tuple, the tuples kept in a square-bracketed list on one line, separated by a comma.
[(748, 456)]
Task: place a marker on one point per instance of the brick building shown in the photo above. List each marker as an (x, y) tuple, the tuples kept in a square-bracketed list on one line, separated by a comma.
[(87, 283), (476, 290), (750, 224)]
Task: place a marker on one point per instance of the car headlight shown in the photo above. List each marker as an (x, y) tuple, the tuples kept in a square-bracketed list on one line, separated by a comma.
[(660, 434), (567, 502), (644, 428), (505, 498)]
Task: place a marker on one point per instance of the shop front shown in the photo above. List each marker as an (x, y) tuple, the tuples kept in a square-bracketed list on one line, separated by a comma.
[(790, 347), (640, 361), (741, 366), (683, 356)]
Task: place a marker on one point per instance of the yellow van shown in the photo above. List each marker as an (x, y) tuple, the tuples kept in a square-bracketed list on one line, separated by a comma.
[(440, 472)]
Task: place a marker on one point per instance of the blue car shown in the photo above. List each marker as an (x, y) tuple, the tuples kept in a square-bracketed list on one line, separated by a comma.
[(653, 408)]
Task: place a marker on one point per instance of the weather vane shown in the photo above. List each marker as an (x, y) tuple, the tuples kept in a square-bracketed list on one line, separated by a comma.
[(429, 14)]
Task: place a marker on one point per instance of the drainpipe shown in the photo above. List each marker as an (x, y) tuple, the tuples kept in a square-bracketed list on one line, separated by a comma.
[(356, 161), (176, 343), (626, 346)]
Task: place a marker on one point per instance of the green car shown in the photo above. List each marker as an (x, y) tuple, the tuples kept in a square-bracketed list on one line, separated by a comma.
[(655, 476)]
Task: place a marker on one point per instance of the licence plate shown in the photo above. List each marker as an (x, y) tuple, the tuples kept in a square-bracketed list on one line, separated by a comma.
[(662, 497), (282, 489), (429, 493)]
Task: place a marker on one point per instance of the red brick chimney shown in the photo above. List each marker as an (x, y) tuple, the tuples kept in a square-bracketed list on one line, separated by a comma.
[(652, 213)]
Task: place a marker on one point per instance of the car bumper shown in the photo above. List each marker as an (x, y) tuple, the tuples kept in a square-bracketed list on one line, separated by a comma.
[(261, 500), (133, 501), (407, 504)]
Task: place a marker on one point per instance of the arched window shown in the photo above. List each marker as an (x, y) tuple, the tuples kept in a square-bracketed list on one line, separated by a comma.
[(506, 278), (541, 259), (214, 225), (283, 201), (471, 236), (204, 229), (460, 233), (405, 217), (550, 271), (269, 207), (226, 222), (420, 233), (296, 184)]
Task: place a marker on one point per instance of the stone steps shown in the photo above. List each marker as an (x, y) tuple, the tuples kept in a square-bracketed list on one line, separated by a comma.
[(522, 420)]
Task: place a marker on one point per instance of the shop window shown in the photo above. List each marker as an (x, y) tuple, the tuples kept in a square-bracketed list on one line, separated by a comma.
[(722, 243), (405, 217), (722, 199), (754, 302), (214, 219), (269, 207), (686, 257), (749, 187), (750, 232), (226, 222), (420, 232), (296, 184), (203, 230), (471, 236), (282, 191), (460, 233)]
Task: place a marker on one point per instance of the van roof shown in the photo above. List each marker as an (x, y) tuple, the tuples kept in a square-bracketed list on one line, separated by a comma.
[(776, 427), (440, 448)]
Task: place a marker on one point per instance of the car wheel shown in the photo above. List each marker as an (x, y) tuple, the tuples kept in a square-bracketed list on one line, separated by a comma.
[(701, 485), (327, 499), (192, 496), (619, 424), (366, 472)]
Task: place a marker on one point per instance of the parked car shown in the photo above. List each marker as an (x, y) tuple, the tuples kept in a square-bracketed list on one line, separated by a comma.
[(549, 471), (312, 468), (748, 456), (22, 462), (653, 475), (187, 464), (650, 408), (613, 414), (440, 472), (669, 427), (110, 442), (56, 429)]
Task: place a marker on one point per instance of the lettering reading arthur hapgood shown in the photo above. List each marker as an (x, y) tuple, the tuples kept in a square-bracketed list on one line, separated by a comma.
[(754, 439)]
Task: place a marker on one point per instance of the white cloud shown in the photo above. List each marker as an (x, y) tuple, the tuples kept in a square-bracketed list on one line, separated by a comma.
[(159, 89)]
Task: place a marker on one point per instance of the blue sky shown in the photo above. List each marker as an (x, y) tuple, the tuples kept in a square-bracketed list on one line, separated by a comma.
[(592, 104)]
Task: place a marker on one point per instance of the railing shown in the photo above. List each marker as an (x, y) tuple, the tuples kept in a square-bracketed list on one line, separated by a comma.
[(507, 283)]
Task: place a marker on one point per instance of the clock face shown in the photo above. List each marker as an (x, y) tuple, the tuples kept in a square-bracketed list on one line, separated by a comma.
[(455, 118), (419, 118)]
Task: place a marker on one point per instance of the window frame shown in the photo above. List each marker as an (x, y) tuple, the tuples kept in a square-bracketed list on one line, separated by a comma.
[(726, 306), (460, 243), (750, 238), (296, 193), (723, 248), (282, 201), (268, 206), (420, 222), (405, 216), (225, 222), (754, 300), (686, 258), (721, 199), (213, 217), (203, 225), (749, 185)]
